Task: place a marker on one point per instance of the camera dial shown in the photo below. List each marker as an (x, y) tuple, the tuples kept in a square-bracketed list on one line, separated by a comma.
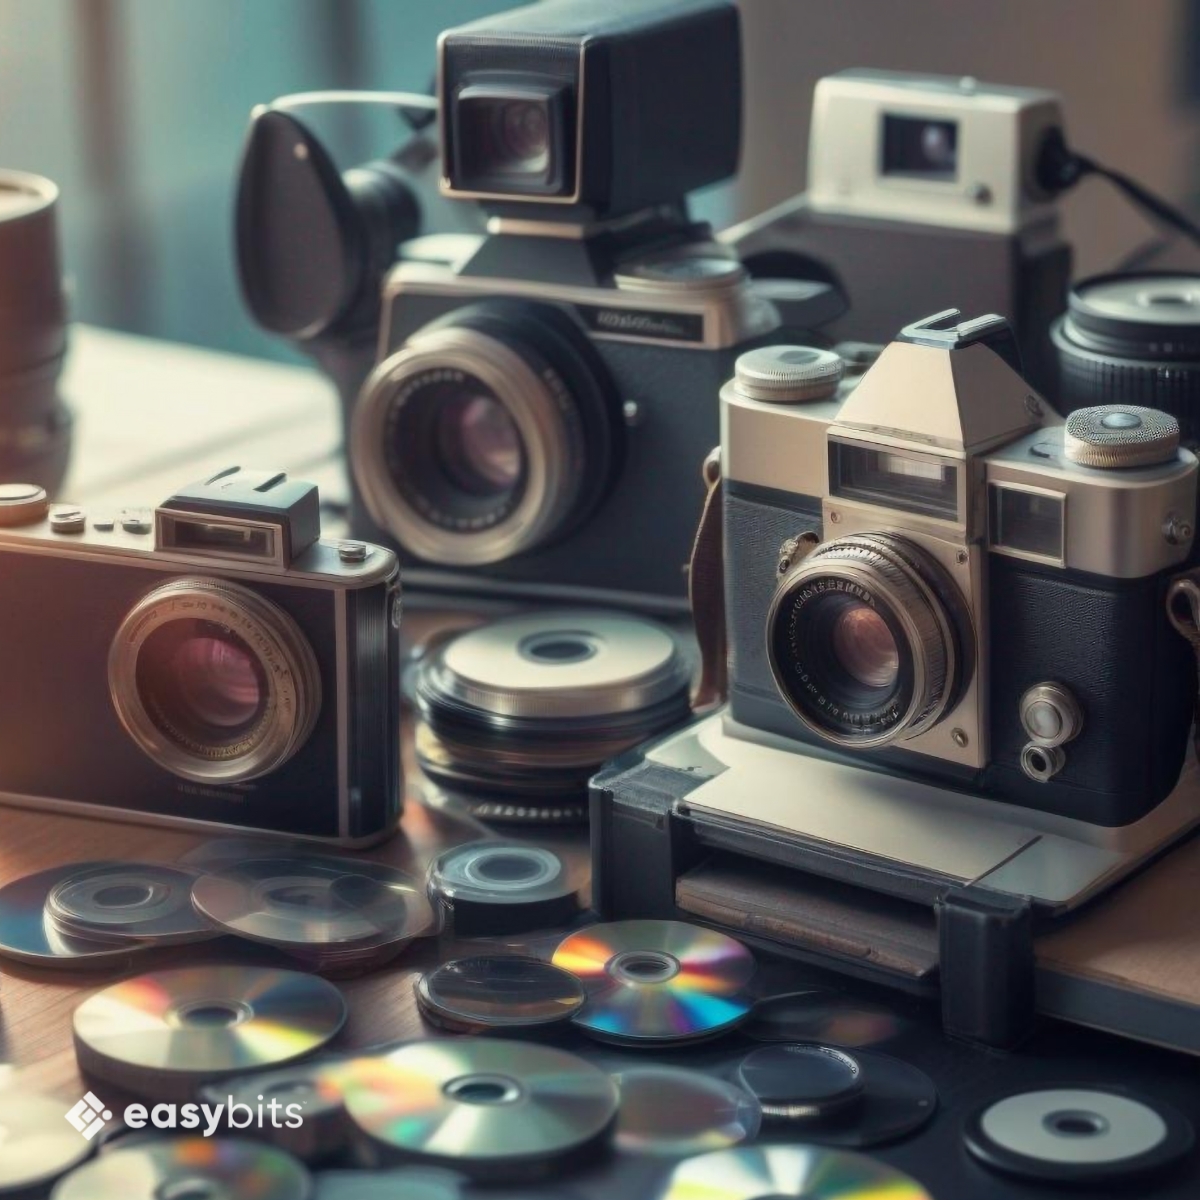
[(213, 682), (486, 435), (864, 642)]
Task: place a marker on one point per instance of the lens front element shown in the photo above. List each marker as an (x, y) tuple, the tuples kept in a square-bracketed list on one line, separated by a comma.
[(862, 643), (213, 682)]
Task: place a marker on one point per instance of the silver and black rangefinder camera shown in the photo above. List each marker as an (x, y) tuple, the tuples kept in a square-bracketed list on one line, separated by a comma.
[(212, 661), (539, 403), (934, 575)]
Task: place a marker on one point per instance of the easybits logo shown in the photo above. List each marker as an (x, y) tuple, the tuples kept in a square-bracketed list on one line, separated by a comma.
[(90, 1116)]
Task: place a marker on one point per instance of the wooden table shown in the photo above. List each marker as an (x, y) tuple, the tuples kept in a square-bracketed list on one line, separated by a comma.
[(151, 417)]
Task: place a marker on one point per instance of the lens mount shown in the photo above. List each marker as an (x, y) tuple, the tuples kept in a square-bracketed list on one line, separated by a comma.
[(213, 682), (861, 641), (470, 446)]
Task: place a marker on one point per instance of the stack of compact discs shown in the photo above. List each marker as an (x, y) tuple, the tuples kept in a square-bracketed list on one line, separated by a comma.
[(484, 1106), (98, 914), (779, 1172), (653, 983), (187, 1168), (334, 913), (164, 1034), (517, 715), (489, 888), (498, 992)]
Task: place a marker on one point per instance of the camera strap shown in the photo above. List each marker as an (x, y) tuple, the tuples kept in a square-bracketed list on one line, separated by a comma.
[(706, 592)]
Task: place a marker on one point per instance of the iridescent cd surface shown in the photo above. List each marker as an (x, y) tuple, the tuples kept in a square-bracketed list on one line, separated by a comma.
[(313, 901), (27, 933), (672, 1111), (495, 991), (211, 1168), (151, 901), (36, 1144), (658, 981), (478, 1103), (205, 1021), (775, 1172)]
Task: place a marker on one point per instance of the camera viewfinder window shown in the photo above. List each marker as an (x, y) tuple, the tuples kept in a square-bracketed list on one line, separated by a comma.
[(512, 140), (1026, 522), (894, 479), (920, 148)]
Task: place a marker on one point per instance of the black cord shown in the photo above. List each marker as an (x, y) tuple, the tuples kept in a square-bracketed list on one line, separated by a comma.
[(1059, 168)]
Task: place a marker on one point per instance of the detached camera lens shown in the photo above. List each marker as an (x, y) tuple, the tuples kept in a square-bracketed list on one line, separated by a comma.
[(226, 697)]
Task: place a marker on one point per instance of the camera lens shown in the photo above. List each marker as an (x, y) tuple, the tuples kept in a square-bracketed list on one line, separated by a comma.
[(1133, 340), (478, 444), (486, 436), (522, 134), (225, 697), (202, 680), (863, 640), (865, 647)]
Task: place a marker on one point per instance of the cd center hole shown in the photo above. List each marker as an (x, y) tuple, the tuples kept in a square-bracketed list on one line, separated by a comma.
[(483, 1089), (558, 648), (122, 895), (214, 1015), (645, 966), (1076, 1124), (506, 868)]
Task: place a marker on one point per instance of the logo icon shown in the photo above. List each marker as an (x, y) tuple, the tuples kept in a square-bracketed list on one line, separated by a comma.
[(89, 1116)]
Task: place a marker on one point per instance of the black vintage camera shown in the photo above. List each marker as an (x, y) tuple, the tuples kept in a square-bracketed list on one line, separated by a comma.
[(212, 661), (542, 396)]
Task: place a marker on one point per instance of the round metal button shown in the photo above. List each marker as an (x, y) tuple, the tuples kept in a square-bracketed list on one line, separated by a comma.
[(353, 552), (21, 504), (68, 520)]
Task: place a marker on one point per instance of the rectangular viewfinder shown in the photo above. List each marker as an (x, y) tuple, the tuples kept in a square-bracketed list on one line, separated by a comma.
[(1027, 522), (916, 483), (224, 539), (920, 148)]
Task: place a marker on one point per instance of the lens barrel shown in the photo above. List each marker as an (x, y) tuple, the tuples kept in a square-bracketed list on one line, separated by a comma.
[(35, 425), (1133, 339)]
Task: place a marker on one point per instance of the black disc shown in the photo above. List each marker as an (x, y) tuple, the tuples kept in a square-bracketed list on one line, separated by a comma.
[(1077, 1134)]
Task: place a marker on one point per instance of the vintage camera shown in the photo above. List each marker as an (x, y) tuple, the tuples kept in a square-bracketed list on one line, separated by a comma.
[(211, 662), (921, 190), (939, 577), (539, 392)]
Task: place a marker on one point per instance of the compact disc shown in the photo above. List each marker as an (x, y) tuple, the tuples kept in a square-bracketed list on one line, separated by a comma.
[(403, 1183), (297, 1115), (503, 887), (313, 901), (480, 1104), (657, 981), (27, 933), (150, 901), (836, 1098), (1077, 1135), (36, 1144), (498, 991), (177, 1029), (672, 1111), (171, 1168), (823, 1017), (777, 1172)]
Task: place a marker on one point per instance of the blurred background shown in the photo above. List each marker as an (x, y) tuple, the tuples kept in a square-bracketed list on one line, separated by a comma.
[(137, 109)]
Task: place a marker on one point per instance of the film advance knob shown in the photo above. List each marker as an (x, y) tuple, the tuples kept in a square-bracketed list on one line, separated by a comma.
[(22, 504), (1120, 435), (788, 374)]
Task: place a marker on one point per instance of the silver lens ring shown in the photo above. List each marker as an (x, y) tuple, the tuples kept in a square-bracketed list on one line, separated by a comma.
[(285, 666), (896, 580), (545, 421)]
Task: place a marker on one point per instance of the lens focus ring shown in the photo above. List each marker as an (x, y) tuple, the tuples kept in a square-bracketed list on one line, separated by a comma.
[(868, 586)]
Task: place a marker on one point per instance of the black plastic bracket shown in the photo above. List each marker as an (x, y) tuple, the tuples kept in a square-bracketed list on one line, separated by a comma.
[(986, 966)]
